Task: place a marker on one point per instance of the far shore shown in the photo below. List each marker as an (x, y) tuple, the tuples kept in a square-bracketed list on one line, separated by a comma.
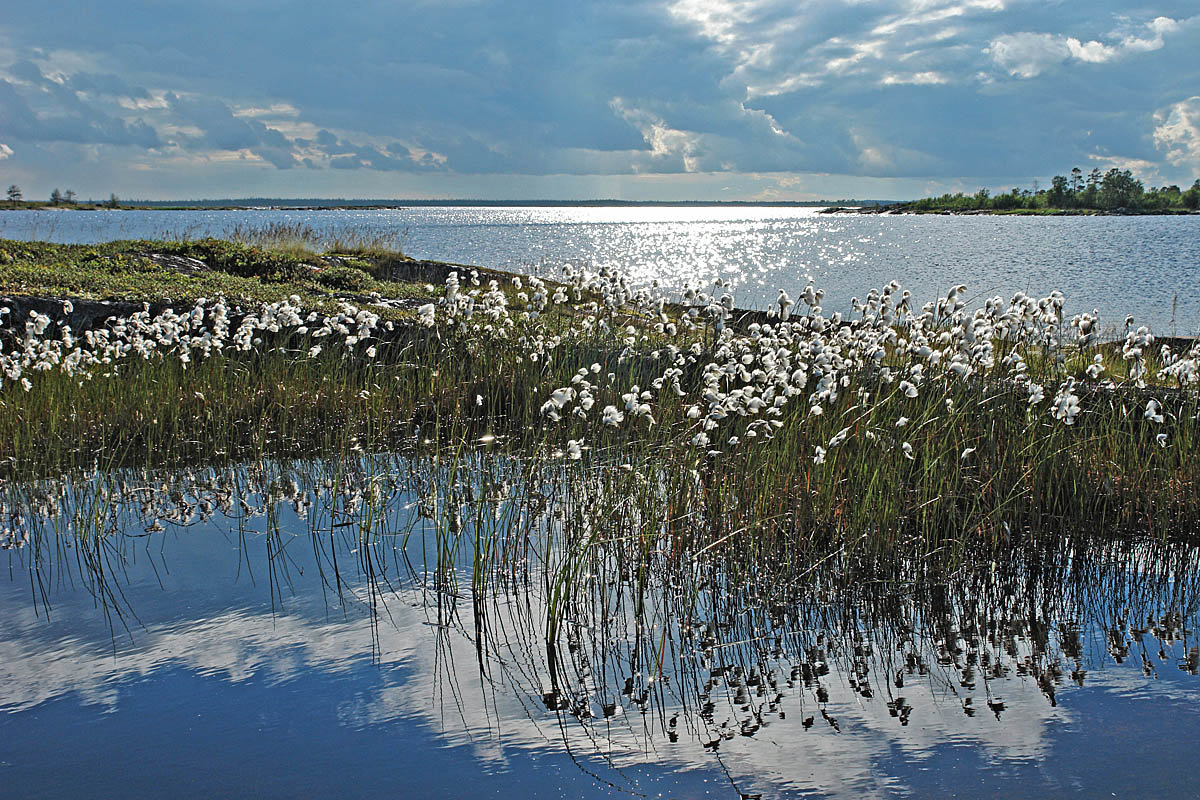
[(1013, 212), (286, 204)]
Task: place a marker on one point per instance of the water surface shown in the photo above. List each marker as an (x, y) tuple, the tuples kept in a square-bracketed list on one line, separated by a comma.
[(1148, 266), (319, 629)]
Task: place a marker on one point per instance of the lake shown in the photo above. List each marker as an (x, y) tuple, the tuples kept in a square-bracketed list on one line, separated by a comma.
[(1146, 266)]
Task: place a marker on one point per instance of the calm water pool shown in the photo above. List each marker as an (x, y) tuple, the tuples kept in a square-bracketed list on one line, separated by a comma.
[(263, 631)]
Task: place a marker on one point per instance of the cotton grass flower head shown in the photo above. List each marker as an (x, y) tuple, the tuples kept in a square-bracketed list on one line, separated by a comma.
[(611, 416), (425, 315), (1066, 403)]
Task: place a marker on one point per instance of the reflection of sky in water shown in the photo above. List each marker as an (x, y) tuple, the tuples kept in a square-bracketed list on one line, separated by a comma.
[(216, 689), (1147, 266)]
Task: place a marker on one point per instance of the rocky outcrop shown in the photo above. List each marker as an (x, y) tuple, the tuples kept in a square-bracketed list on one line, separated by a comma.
[(180, 264), (83, 314), (435, 272)]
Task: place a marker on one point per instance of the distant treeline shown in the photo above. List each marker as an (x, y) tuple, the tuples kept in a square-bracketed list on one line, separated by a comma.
[(1108, 191)]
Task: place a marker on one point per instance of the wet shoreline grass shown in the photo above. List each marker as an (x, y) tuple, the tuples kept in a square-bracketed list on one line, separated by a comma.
[(887, 430)]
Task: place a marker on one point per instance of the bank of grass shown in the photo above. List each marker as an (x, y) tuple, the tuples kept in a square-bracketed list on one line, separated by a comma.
[(962, 464), (238, 270)]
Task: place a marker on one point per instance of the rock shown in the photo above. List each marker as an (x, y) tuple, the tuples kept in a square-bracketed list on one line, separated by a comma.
[(181, 264), (85, 314)]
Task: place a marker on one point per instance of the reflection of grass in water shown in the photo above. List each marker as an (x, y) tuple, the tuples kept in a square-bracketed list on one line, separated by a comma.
[(548, 572)]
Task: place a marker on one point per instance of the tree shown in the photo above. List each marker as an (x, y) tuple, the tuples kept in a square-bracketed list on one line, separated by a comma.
[(1076, 180), (56, 197), (69, 195), (1056, 195), (1191, 198), (14, 194), (1092, 189), (1119, 189), (112, 202)]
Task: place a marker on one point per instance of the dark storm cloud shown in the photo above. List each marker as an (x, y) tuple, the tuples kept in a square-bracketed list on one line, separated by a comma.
[(937, 88)]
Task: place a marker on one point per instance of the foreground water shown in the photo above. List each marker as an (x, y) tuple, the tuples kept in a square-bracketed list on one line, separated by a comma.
[(461, 626), (1145, 266)]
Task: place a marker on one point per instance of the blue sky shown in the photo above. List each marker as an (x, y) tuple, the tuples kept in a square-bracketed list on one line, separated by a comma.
[(678, 99)]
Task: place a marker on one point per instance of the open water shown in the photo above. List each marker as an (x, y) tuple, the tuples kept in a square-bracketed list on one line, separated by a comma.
[(309, 629), (1146, 266)]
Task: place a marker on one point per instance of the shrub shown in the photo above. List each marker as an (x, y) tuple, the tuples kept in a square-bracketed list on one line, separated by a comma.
[(243, 260), (345, 278)]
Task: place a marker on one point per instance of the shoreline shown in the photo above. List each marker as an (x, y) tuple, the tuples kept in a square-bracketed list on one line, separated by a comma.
[(1016, 212), (286, 204)]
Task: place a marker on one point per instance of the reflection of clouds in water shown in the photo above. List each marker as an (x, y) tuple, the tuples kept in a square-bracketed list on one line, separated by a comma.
[(430, 673), (501, 715), (235, 647)]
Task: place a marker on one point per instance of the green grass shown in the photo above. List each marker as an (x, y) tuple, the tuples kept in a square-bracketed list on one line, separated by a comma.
[(974, 465), (239, 271)]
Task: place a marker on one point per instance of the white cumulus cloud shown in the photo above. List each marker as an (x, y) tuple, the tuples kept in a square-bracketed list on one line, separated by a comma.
[(1177, 132), (1027, 55)]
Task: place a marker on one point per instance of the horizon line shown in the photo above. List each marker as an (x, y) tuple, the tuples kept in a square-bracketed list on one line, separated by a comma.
[(467, 201)]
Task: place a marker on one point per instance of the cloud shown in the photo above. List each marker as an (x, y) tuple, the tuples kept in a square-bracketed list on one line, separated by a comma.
[(779, 51), (65, 118), (1177, 132), (25, 70), (5, 151), (928, 89), (106, 84), (1027, 55), (224, 130), (668, 146), (928, 78)]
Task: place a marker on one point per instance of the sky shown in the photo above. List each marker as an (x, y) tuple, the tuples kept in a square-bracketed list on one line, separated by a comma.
[(582, 99)]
